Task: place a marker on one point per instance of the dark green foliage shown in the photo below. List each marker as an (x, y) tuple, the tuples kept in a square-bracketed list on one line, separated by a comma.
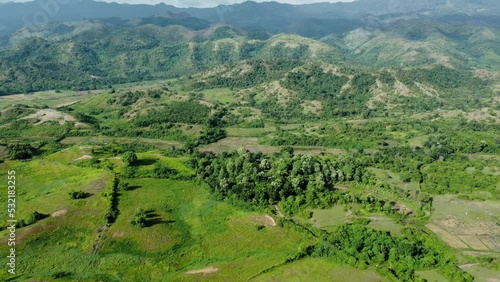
[(78, 195), (210, 135), (21, 223), (315, 84), (36, 216), (261, 71), (127, 99), (112, 198), (161, 171), (20, 151), (361, 221), (92, 162), (139, 219), (129, 158), (440, 76), (123, 186), (397, 257), (264, 180)]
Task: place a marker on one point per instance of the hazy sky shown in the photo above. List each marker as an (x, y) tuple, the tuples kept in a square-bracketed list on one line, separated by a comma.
[(200, 3)]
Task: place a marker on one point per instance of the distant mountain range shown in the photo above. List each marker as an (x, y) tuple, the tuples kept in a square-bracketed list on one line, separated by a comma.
[(312, 20), (89, 44)]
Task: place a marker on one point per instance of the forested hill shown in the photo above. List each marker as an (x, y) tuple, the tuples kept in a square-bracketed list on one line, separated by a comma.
[(94, 54), (377, 34), (269, 16)]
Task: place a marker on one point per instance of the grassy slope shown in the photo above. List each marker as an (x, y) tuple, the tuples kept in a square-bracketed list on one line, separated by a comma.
[(186, 228)]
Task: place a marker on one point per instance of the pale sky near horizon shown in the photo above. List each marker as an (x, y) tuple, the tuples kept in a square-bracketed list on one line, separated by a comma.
[(200, 3)]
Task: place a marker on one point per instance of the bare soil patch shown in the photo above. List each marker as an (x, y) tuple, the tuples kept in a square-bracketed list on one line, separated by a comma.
[(265, 220), (118, 235), (84, 157), (96, 186), (59, 213), (205, 271)]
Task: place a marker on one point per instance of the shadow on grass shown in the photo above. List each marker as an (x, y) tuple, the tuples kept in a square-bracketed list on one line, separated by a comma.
[(145, 162), (132, 188), (153, 219)]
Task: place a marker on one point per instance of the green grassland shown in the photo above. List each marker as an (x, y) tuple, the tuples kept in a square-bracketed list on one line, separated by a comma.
[(186, 229), (432, 276), (63, 241), (482, 274), (318, 270), (328, 219), (51, 99)]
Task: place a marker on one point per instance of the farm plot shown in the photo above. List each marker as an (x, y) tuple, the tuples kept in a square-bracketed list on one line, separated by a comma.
[(252, 144), (466, 224)]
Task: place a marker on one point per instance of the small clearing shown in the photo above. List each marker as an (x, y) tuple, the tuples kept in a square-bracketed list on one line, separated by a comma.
[(265, 220), (47, 115)]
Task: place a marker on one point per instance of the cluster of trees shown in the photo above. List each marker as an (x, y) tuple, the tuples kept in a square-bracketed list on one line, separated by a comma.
[(139, 219), (439, 164), (32, 219), (440, 76), (129, 158), (398, 257), (261, 71), (111, 196), (127, 99), (315, 84), (263, 180), (26, 128), (297, 181), (78, 195), (21, 151)]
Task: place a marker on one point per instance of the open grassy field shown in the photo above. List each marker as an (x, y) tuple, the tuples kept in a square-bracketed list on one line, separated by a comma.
[(48, 98), (159, 144), (188, 235), (318, 270), (432, 276), (482, 274), (234, 143), (63, 241), (223, 95), (394, 179), (466, 224), (194, 232), (328, 219), (249, 132), (252, 144)]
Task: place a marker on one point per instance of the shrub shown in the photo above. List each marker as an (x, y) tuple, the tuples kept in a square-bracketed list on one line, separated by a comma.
[(139, 219), (129, 158), (77, 195)]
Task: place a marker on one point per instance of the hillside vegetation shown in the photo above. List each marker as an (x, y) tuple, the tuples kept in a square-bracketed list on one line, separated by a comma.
[(254, 142)]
